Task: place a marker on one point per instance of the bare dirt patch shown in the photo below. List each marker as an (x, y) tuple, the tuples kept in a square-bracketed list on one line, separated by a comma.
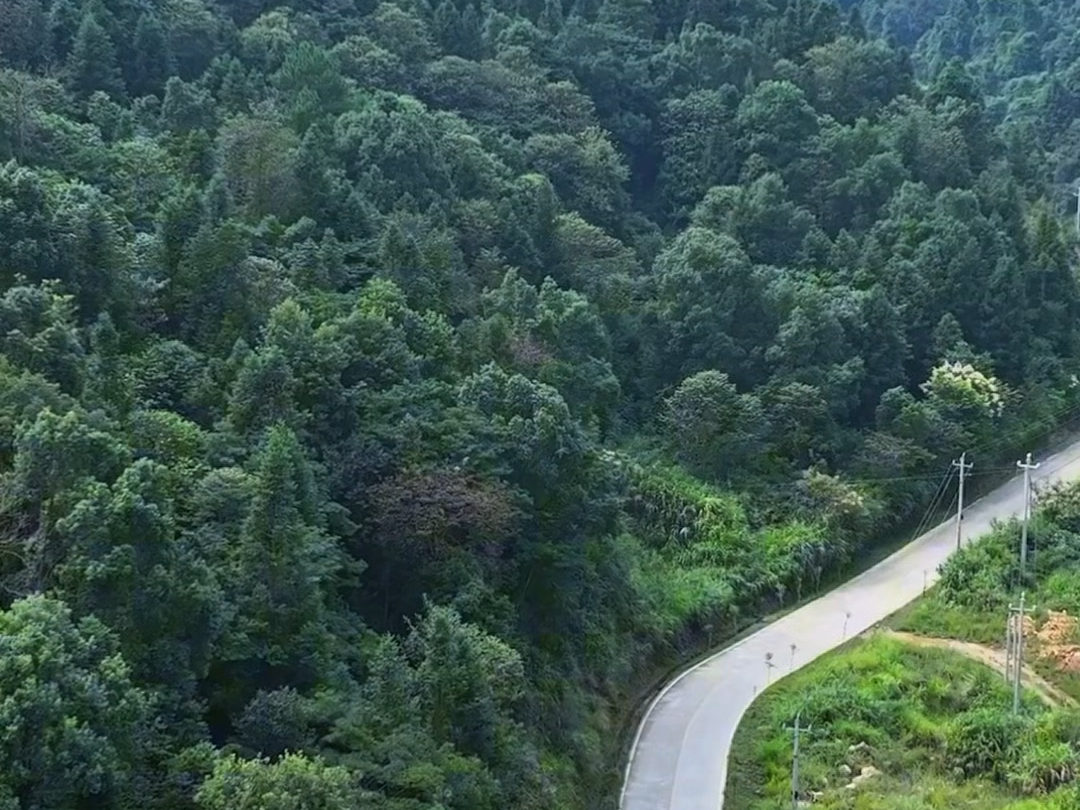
[(1056, 641), (1059, 628)]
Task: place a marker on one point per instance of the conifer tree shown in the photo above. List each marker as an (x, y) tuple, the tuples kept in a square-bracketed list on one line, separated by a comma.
[(152, 59), (447, 24), (284, 562), (471, 45), (92, 65)]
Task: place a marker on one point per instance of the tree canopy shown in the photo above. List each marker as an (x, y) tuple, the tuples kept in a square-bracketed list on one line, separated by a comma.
[(390, 391)]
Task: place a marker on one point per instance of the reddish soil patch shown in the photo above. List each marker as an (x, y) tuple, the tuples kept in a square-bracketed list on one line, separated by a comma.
[(1057, 641)]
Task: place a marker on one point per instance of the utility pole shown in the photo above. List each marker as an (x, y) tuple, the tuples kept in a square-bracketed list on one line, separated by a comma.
[(1015, 654), (1008, 647), (960, 494), (1009, 643), (1077, 192), (795, 761), (1027, 467)]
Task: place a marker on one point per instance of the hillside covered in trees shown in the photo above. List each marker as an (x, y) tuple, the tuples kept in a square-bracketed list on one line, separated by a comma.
[(389, 391), (1025, 56)]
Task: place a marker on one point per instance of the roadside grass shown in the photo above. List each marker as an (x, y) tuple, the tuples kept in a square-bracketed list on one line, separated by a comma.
[(971, 601), (681, 592), (972, 606), (929, 617), (936, 724), (696, 643)]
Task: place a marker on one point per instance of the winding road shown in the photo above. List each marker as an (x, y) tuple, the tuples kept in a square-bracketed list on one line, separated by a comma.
[(679, 758)]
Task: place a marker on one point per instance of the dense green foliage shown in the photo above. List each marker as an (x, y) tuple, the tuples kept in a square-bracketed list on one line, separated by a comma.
[(979, 582), (400, 385), (1025, 55), (937, 727)]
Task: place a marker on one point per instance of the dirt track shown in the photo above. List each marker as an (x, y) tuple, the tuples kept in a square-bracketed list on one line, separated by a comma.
[(1049, 693)]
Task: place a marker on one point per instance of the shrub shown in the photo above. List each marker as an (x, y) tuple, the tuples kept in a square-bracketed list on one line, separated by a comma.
[(982, 742)]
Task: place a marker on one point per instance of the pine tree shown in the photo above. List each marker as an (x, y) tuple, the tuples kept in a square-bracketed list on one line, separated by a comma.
[(447, 24), (24, 31), (63, 17), (235, 92), (586, 10), (285, 559), (636, 16), (854, 27), (92, 65), (551, 18), (152, 59), (472, 38)]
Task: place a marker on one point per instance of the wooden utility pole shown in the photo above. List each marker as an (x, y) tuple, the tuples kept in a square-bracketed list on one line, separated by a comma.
[(1077, 192)]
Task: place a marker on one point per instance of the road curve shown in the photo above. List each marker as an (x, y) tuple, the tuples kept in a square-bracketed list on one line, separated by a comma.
[(679, 758)]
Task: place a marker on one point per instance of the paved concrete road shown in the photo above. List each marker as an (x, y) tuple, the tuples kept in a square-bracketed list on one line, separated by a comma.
[(679, 760)]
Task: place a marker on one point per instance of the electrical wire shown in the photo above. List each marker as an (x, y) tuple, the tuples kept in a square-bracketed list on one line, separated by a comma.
[(931, 510), (1002, 442)]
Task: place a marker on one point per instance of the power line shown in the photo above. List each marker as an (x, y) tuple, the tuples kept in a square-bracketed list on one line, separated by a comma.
[(931, 510), (1055, 418), (923, 477), (1060, 466), (953, 503), (1001, 441)]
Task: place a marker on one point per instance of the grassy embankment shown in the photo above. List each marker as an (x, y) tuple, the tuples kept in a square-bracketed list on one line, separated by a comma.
[(934, 724), (937, 723)]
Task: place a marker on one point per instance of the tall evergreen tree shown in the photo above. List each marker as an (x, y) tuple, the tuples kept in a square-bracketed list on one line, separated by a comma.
[(471, 43), (447, 25), (153, 63), (282, 564), (23, 33), (92, 64)]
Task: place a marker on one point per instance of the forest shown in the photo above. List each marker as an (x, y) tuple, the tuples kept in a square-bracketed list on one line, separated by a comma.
[(391, 391)]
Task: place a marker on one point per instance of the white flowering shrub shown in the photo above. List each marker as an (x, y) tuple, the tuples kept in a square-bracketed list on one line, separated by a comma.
[(964, 387)]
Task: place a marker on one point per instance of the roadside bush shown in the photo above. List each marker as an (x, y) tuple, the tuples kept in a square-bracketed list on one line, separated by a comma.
[(1042, 767), (1059, 503), (980, 574), (982, 742)]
